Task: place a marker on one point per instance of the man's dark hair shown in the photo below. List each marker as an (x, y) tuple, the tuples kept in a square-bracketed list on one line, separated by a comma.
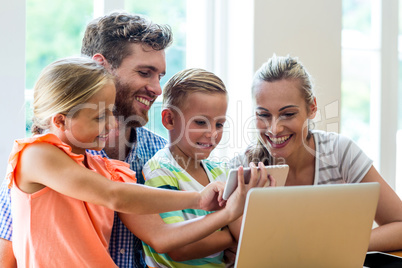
[(111, 35)]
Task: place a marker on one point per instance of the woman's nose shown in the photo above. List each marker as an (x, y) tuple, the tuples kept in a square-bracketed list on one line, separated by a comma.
[(275, 126)]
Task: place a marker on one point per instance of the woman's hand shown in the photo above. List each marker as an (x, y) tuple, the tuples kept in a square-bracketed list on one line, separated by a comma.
[(258, 178)]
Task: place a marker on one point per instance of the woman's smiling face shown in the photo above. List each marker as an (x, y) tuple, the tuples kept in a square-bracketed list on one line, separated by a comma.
[(282, 115)]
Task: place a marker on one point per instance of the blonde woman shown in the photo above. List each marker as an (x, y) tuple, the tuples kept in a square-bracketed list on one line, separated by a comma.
[(284, 101)]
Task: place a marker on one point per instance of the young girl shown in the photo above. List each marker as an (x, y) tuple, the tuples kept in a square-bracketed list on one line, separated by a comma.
[(285, 102), (62, 197)]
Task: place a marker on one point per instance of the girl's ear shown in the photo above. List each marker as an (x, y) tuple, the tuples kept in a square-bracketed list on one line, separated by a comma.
[(168, 118), (59, 121), (313, 109)]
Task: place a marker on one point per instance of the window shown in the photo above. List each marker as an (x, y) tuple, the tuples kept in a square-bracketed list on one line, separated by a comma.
[(48, 39), (53, 30), (360, 74), (370, 113), (173, 13)]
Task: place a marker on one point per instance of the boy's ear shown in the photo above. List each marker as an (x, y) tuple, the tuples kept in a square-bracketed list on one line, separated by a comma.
[(313, 109), (59, 121), (168, 118)]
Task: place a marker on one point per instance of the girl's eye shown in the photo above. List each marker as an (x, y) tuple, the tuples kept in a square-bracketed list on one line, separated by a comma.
[(101, 117)]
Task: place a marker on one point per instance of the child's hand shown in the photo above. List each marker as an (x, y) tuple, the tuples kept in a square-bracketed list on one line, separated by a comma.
[(230, 256), (211, 196), (259, 178)]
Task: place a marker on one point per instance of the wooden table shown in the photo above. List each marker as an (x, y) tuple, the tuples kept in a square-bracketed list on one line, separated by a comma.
[(397, 253)]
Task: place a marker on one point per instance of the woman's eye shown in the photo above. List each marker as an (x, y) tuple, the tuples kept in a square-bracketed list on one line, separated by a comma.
[(288, 115), (262, 115)]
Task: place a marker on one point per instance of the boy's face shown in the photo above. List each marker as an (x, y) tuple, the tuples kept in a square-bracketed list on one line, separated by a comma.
[(198, 125)]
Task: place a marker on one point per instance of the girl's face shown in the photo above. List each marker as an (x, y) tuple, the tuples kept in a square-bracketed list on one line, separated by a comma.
[(282, 115), (87, 125), (198, 125)]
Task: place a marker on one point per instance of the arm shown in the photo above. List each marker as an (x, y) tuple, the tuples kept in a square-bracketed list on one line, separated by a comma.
[(235, 226), (43, 164), (169, 237), (175, 238), (7, 259), (388, 236), (216, 242)]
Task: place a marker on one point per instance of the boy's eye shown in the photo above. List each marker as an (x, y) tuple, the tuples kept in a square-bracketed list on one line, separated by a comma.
[(200, 122)]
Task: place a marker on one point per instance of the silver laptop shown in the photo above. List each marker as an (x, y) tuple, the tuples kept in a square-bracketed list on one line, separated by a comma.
[(307, 226)]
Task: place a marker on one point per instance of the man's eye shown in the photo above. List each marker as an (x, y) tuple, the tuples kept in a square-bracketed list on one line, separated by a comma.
[(200, 122), (143, 73)]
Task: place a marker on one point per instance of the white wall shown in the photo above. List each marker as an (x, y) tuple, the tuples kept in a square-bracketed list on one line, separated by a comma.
[(310, 30), (247, 33), (12, 77)]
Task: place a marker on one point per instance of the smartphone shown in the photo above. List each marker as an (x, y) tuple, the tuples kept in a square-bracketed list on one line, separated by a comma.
[(279, 172), (376, 259)]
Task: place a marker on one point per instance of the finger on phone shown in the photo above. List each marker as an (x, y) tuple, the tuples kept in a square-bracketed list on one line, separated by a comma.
[(272, 181), (263, 178), (254, 175), (220, 187), (240, 177)]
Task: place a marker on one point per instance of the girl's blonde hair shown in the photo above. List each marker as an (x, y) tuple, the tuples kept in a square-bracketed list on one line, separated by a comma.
[(63, 85)]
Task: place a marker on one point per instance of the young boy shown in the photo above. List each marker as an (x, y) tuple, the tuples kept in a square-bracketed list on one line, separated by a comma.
[(195, 111)]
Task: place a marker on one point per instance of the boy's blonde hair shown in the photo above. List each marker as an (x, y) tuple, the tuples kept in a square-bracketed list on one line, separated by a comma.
[(189, 81), (63, 85)]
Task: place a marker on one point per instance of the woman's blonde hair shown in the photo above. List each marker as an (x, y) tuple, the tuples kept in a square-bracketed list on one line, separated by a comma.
[(63, 85), (286, 68)]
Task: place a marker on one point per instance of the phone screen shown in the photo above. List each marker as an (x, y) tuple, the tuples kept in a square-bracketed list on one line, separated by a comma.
[(381, 260)]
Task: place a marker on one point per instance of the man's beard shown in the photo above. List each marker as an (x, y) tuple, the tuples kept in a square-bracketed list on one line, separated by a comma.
[(124, 109)]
